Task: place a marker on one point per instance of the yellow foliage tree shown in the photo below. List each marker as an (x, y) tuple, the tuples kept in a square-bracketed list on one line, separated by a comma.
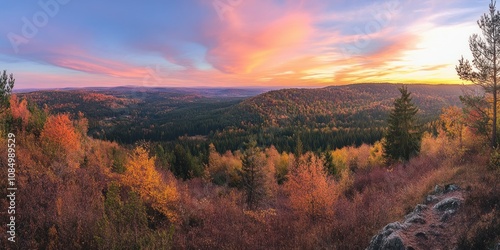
[(279, 164), (223, 169), (340, 159), (453, 122), (376, 158), (354, 158), (142, 176)]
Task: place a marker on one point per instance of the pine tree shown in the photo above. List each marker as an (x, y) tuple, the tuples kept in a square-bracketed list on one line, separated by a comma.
[(299, 147), (6, 86), (403, 136), (484, 69), (253, 175)]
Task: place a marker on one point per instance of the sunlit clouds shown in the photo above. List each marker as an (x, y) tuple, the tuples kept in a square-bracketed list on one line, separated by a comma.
[(236, 43)]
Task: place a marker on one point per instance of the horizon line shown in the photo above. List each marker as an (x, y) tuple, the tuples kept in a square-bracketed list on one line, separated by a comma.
[(235, 87)]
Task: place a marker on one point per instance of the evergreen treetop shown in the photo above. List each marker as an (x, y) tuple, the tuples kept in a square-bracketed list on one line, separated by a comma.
[(6, 86), (404, 134)]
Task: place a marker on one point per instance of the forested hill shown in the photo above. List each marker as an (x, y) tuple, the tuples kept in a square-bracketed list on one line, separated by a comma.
[(323, 118), (344, 105)]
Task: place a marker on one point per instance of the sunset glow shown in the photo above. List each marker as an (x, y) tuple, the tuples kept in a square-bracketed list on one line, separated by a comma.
[(234, 43)]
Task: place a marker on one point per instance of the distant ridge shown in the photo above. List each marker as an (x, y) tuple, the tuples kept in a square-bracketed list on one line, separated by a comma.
[(206, 92)]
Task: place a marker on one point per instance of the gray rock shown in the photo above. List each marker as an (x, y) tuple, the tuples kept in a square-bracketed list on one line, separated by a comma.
[(438, 189), (391, 242), (450, 188), (388, 238), (421, 235), (415, 219), (447, 214), (430, 199), (451, 203), (376, 242), (393, 226), (420, 208)]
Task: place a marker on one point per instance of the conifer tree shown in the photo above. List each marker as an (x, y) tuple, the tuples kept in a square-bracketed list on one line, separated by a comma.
[(484, 68), (403, 136), (6, 86), (253, 175)]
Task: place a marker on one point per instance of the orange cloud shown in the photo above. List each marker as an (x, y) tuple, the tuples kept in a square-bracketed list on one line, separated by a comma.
[(243, 44), (374, 65)]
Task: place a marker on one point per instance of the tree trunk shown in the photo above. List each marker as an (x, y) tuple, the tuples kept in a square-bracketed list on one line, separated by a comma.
[(495, 72), (494, 132)]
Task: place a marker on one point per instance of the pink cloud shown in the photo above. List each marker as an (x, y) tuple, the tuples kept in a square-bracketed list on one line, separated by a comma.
[(78, 59), (95, 65), (241, 43)]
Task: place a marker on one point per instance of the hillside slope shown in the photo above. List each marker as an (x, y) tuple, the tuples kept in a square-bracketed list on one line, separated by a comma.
[(344, 105)]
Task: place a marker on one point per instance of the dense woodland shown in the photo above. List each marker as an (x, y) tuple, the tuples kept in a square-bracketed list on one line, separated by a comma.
[(327, 168), (288, 169), (182, 123)]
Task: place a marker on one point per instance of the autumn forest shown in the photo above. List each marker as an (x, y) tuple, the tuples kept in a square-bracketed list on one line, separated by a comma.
[(299, 169), (232, 124)]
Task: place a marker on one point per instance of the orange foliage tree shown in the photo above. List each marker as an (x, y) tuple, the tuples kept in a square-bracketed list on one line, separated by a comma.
[(82, 124), (20, 110), (312, 192), (59, 135), (142, 176)]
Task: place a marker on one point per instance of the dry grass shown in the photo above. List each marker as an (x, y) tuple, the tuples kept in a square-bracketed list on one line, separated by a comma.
[(481, 213)]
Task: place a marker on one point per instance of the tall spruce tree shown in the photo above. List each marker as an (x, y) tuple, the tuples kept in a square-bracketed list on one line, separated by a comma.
[(403, 137), (485, 67)]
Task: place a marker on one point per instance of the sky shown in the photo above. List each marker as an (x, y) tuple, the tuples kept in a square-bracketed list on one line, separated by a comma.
[(234, 43)]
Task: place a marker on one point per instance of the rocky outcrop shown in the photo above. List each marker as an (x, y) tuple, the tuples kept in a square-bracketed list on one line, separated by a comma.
[(447, 207), (425, 225), (388, 238)]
